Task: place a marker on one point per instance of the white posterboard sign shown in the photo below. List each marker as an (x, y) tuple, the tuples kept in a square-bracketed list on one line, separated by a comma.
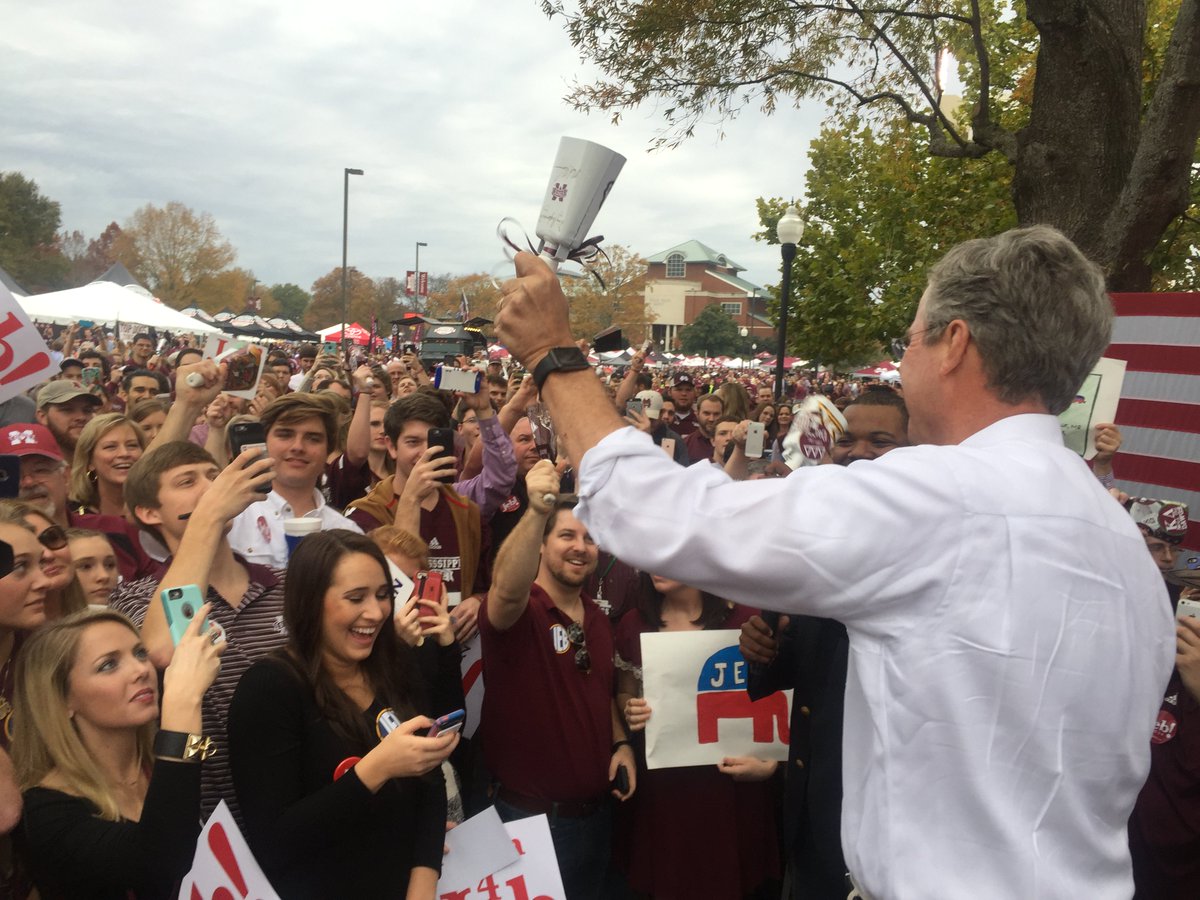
[(24, 357), (700, 713), (223, 865), (534, 876), (243, 370), (1095, 402)]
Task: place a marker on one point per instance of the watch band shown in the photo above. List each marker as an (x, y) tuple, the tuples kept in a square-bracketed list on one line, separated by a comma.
[(559, 359), (184, 746)]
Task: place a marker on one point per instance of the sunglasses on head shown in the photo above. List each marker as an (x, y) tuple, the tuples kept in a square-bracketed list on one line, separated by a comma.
[(53, 538), (583, 659)]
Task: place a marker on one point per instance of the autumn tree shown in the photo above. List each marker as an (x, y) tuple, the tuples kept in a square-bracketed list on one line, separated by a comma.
[(89, 259), (29, 241), (325, 308), (233, 289), (1105, 152), (174, 251), (612, 293), (483, 297)]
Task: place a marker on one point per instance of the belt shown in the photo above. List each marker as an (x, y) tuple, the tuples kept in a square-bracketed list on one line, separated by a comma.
[(570, 809)]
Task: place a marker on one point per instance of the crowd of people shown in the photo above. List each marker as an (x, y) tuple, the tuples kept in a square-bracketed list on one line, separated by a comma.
[(991, 695)]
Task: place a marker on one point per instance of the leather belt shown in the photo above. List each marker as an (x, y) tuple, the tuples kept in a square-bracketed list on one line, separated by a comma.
[(570, 809)]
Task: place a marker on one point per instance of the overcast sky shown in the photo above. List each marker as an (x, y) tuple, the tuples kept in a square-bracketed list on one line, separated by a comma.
[(250, 110)]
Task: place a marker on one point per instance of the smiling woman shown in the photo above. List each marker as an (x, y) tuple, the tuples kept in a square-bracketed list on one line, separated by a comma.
[(329, 779), (108, 446)]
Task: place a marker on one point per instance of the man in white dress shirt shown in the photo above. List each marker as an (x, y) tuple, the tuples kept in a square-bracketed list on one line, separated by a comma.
[(1009, 636)]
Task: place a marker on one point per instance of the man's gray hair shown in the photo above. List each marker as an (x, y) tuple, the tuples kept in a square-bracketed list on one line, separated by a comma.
[(1036, 306)]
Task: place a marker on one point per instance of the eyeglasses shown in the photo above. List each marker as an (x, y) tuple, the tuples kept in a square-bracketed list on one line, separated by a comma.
[(53, 538), (899, 345), (583, 659)]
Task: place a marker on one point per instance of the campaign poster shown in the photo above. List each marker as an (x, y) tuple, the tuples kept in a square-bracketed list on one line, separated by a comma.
[(1095, 402)]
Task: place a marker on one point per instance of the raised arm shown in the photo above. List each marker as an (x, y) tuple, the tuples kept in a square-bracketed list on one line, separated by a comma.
[(520, 554)]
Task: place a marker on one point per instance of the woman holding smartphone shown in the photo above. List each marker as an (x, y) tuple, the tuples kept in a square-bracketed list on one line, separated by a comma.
[(112, 801), (340, 793)]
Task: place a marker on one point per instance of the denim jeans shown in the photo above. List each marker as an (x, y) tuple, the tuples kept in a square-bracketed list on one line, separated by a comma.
[(582, 847)]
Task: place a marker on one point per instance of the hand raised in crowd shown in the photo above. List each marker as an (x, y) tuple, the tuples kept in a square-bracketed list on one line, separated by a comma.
[(757, 643), (640, 421), (542, 482), (218, 413), (405, 754), (1107, 439), (1187, 653), (211, 380), (194, 667), (748, 768), (434, 619), (423, 480), (405, 619), (533, 317), (637, 713), (465, 618), (236, 486), (526, 394)]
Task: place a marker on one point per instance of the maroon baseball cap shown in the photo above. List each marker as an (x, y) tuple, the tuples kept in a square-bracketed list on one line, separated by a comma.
[(29, 439)]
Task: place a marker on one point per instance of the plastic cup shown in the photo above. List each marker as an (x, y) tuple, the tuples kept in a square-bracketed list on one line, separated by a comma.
[(295, 530)]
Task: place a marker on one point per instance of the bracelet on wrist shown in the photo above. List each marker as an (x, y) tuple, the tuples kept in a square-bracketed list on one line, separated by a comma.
[(617, 745)]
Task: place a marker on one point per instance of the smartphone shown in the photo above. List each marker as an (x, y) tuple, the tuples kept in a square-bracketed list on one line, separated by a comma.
[(621, 782), (429, 586), (635, 408), (92, 375), (755, 432), (181, 605), (6, 559), (10, 475), (449, 723), (1188, 608), (444, 438), (668, 445), (247, 436)]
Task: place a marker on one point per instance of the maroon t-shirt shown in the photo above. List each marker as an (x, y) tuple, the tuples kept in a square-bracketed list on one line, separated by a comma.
[(547, 725), (684, 425), (615, 586), (439, 533), (699, 447)]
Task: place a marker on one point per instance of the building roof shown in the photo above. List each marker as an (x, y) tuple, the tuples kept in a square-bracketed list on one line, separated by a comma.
[(742, 283), (696, 252)]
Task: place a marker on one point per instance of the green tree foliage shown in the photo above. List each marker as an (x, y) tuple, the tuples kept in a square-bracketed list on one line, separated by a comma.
[(880, 212), (292, 300), (1095, 106), (29, 244), (174, 251), (712, 333)]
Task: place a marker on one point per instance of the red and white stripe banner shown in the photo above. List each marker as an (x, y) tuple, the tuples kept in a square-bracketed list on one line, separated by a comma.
[(1158, 335)]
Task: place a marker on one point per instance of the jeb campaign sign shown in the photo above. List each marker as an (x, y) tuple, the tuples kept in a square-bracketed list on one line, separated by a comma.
[(695, 684)]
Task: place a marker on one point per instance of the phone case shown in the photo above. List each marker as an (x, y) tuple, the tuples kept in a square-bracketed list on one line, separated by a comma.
[(450, 722), (444, 438), (181, 605)]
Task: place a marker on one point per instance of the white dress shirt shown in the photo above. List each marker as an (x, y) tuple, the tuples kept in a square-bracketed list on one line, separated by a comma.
[(1010, 639), (257, 533)]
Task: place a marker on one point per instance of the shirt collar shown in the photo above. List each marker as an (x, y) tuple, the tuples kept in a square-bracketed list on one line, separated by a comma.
[(1024, 427), (276, 502)]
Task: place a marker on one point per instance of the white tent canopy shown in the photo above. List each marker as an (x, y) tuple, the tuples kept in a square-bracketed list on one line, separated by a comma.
[(107, 303)]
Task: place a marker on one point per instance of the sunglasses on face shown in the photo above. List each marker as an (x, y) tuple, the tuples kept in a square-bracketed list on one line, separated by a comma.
[(53, 538), (583, 659)]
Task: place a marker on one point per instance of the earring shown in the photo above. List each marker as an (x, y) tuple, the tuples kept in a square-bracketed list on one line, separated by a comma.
[(91, 476)]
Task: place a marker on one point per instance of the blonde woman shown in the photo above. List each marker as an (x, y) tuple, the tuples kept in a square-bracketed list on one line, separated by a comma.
[(112, 803), (64, 594), (107, 448)]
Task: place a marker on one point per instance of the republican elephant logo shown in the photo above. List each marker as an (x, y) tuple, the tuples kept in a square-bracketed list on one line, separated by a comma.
[(721, 694)]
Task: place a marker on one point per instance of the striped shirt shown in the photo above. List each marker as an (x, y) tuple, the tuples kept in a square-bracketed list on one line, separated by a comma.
[(253, 629)]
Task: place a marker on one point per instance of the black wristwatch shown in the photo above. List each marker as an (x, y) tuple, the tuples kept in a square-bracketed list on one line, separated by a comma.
[(560, 359)]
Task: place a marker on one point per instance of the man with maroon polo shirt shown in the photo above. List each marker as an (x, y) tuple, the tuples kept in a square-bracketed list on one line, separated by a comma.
[(699, 443), (553, 738)]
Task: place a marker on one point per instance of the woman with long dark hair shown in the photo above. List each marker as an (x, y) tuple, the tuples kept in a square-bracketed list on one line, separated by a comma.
[(340, 793), (679, 815)]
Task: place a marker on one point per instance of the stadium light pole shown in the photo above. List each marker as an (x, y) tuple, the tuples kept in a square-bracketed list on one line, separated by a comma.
[(345, 230), (789, 230)]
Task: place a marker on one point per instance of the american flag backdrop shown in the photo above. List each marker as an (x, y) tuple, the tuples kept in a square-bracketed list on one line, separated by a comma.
[(1158, 335)]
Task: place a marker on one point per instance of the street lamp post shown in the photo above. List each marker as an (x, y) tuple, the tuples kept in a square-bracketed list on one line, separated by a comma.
[(345, 230), (789, 230), (417, 275), (745, 333)]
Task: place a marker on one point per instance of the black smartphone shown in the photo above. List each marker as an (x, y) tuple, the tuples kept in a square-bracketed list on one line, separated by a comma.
[(444, 438), (6, 559), (621, 782), (245, 435), (10, 475)]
